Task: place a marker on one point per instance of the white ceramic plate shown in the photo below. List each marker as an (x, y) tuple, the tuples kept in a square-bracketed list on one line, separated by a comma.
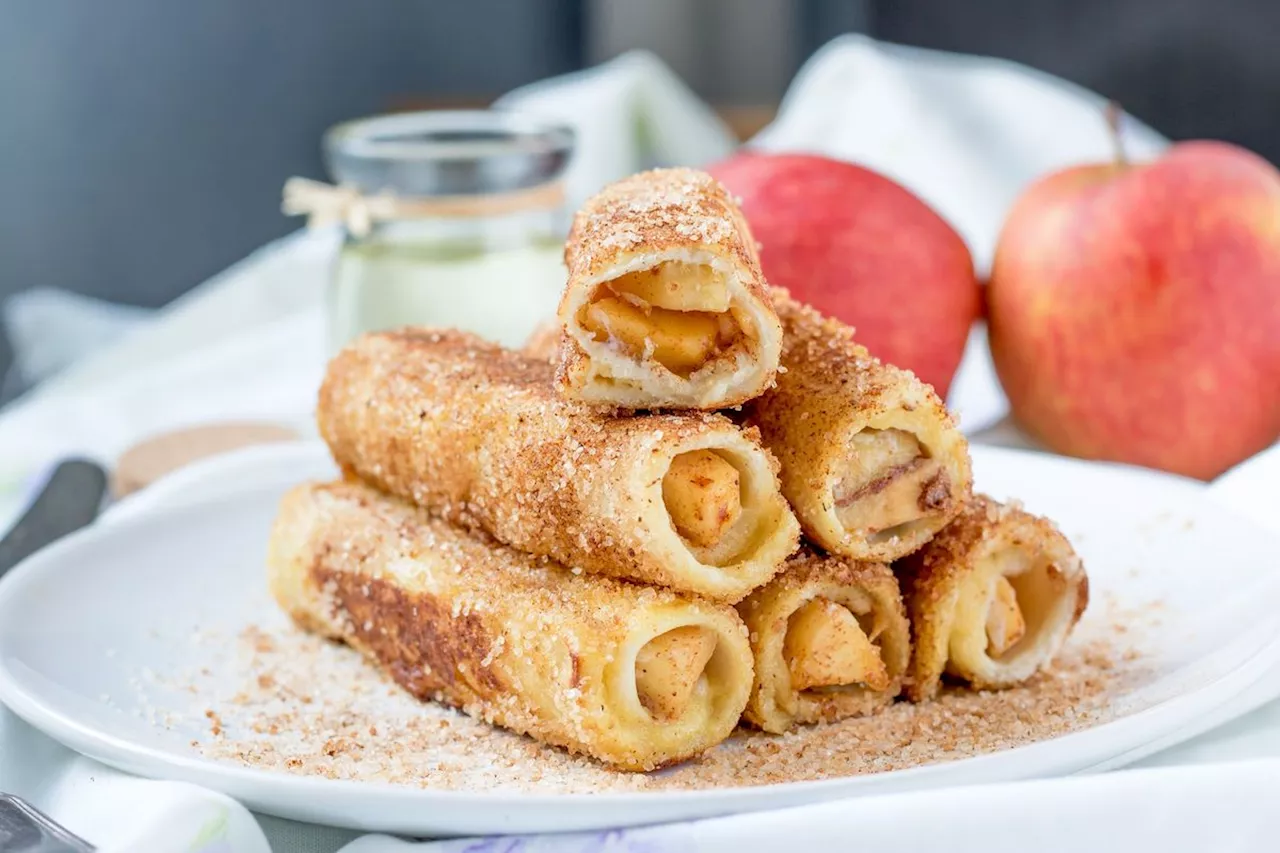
[(185, 554)]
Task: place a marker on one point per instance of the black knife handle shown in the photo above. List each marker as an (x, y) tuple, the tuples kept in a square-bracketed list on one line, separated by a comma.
[(23, 829), (70, 500)]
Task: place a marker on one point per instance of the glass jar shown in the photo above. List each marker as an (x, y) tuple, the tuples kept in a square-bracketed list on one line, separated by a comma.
[(452, 219)]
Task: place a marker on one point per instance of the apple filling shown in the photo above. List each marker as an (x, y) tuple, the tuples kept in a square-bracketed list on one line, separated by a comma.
[(671, 669), (828, 648), (706, 495), (1005, 623), (1024, 589), (889, 483), (675, 314), (703, 495)]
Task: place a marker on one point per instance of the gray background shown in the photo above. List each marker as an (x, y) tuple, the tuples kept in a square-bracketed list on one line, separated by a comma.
[(143, 143)]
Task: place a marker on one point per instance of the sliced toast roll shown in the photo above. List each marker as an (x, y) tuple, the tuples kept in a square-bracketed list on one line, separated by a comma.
[(992, 598), (871, 461), (830, 639), (633, 676), (477, 435), (665, 305)]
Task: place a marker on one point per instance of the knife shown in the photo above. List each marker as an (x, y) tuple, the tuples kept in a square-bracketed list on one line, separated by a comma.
[(23, 829), (71, 499)]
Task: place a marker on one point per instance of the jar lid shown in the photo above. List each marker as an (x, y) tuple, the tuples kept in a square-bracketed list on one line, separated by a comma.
[(448, 153)]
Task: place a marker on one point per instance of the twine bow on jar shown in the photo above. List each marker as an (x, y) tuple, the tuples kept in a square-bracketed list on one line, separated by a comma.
[(328, 204)]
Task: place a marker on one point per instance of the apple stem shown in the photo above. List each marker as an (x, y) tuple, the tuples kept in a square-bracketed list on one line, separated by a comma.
[(1115, 115)]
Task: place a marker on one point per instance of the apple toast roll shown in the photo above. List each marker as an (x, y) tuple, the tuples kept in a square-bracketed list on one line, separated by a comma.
[(665, 305), (477, 435), (872, 462), (991, 598), (634, 676), (830, 639)]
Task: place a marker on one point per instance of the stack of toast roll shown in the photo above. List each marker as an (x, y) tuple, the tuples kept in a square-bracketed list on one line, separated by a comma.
[(690, 503)]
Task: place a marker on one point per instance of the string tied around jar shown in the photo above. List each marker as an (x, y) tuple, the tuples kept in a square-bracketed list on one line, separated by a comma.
[(327, 204)]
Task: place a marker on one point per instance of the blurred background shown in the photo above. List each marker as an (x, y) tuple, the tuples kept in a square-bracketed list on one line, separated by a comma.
[(145, 142)]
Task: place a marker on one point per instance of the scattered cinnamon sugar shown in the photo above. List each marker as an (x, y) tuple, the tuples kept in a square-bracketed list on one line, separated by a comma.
[(290, 702)]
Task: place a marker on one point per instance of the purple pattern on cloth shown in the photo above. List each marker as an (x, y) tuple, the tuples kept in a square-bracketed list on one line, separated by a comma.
[(495, 845), (622, 841), (609, 841)]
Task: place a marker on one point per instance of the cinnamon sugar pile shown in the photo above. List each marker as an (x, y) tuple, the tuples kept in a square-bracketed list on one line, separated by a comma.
[(284, 700)]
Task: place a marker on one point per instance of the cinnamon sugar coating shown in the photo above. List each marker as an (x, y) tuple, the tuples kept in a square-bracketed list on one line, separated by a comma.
[(511, 639), (638, 223), (477, 435), (867, 588), (829, 389), (658, 210), (938, 578)]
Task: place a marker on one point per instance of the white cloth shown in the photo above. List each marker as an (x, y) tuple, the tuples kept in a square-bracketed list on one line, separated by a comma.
[(1120, 812), (226, 381), (966, 134), (37, 322), (628, 114)]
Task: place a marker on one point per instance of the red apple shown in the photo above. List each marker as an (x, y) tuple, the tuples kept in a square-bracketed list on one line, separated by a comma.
[(862, 249), (1135, 309)]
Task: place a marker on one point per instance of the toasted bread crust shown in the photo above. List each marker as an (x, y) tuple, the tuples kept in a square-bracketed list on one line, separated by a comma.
[(775, 705), (635, 224), (477, 435), (935, 578), (512, 639), (830, 389)]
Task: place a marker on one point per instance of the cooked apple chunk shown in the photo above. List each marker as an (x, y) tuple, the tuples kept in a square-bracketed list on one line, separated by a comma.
[(826, 647), (1005, 622), (676, 286), (676, 314), (681, 341), (668, 668), (702, 492), (889, 481)]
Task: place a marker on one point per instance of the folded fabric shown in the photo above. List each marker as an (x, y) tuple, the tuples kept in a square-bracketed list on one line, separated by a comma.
[(90, 800), (628, 114), (219, 383), (50, 329), (1217, 807), (965, 133)]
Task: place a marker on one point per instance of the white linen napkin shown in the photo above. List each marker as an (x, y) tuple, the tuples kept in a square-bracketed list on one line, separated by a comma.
[(965, 133), (117, 812), (50, 329), (628, 114), (1216, 807), (271, 373)]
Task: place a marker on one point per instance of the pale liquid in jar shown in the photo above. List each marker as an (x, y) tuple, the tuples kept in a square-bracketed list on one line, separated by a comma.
[(499, 293)]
